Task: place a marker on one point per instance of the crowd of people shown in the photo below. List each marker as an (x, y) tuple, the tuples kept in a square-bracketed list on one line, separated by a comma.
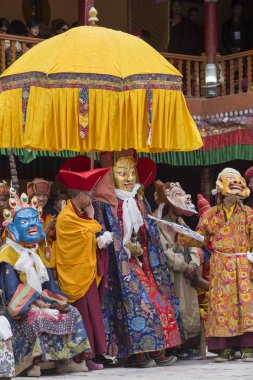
[(34, 28), (236, 32), (90, 277)]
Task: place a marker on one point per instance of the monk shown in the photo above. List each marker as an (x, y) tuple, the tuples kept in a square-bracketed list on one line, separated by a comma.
[(75, 255)]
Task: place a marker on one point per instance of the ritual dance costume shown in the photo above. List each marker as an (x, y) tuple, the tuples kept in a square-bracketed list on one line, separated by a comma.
[(44, 326), (140, 308), (229, 324)]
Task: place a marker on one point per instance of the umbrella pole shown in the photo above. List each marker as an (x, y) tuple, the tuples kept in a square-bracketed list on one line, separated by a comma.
[(92, 154), (14, 174)]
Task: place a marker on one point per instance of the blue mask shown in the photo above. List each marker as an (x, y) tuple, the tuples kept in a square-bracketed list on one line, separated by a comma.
[(26, 227)]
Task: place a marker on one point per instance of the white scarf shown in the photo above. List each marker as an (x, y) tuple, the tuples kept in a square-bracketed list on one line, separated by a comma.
[(132, 218), (31, 264), (5, 328)]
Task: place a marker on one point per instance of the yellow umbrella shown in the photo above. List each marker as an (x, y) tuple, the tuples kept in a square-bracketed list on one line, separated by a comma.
[(93, 88)]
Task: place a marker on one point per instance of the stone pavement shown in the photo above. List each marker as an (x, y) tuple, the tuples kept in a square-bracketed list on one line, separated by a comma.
[(182, 370)]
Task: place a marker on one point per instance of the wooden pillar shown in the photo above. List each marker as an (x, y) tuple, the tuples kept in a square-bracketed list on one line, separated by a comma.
[(83, 11), (207, 182), (211, 30)]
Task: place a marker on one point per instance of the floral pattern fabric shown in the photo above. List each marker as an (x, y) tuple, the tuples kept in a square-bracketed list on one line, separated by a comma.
[(36, 335), (7, 366), (230, 309), (47, 346), (132, 320)]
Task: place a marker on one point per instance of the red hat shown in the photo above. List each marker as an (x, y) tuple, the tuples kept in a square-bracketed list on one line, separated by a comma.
[(77, 164), (249, 173), (146, 169), (84, 181), (203, 204)]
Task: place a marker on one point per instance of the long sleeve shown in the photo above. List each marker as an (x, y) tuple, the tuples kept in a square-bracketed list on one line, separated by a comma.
[(195, 260), (175, 260), (9, 281), (18, 297), (204, 228)]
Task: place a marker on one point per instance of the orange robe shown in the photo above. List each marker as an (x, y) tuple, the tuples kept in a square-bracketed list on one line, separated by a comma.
[(230, 308), (74, 253)]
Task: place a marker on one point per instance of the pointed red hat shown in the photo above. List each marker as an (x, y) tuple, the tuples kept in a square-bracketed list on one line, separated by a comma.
[(249, 173), (203, 204), (77, 164), (146, 169), (84, 181)]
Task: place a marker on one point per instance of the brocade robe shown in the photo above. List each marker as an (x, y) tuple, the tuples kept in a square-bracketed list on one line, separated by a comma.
[(230, 308), (36, 333), (136, 297)]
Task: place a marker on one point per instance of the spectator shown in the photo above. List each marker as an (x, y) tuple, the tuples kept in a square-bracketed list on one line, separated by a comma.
[(74, 24), (17, 28), (183, 35), (4, 26), (143, 34), (58, 200), (193, 16), (33, 28), (44, 31), (61, 27), (236, 32)]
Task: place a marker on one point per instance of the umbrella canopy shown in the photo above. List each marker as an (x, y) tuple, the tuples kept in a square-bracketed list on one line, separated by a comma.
[(94, 88)]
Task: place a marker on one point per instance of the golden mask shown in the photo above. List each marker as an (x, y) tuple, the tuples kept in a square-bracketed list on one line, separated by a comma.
[(124, 173), (233, 185)]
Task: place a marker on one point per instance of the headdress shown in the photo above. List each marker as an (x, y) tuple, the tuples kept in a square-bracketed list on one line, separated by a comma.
[(104, 191), (203, 204), (77, 164), (38, 185), (19, 203), (249, 173), (83, 181)]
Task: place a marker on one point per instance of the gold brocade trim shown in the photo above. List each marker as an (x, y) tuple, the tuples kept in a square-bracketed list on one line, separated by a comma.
[(92, 81)]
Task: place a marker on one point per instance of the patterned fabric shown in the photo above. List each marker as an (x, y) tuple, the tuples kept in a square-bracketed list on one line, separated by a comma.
[(150, 107), (49, 346), (37, 321), (94, 81), (84, 113), (34, 333), (25, 97), (230, 311), (7, 366), (203, 295), (132, 321)]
